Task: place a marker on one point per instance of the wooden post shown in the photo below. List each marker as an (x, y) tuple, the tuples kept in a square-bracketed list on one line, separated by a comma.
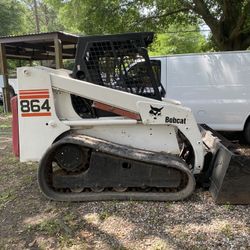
[(4, 72), (58, 53)]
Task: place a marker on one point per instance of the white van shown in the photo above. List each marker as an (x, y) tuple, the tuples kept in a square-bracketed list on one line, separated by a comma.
[(13, 85), (216, 86)]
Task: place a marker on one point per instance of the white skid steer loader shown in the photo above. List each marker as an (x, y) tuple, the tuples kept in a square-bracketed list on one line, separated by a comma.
[(101, 132)]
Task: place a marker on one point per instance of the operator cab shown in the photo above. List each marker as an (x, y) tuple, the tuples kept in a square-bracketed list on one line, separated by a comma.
[(119, 62)]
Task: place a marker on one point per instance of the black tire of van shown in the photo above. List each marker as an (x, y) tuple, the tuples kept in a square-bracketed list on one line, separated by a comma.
[(247, 131)]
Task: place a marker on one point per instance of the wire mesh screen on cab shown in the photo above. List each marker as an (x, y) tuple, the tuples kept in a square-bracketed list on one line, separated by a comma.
[(119, 62)]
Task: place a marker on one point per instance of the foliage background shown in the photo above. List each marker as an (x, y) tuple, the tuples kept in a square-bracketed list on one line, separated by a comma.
[(178, 24)]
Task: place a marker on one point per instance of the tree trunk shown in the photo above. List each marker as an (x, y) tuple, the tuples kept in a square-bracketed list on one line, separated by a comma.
[(36, 17), (228, 29), (230, 42)]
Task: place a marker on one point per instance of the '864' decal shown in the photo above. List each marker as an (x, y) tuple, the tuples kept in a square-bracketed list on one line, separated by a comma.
[(34, 102)]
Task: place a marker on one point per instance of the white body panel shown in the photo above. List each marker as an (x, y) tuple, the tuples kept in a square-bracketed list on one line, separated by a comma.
[(50, 91), (154, 138), (216, 86), (36, 133)]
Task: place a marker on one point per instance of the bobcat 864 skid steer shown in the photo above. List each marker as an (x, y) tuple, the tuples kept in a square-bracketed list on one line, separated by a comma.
[(105, 132)]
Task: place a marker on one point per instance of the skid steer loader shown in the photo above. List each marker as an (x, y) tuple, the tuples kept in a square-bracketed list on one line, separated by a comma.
[(104, 132)]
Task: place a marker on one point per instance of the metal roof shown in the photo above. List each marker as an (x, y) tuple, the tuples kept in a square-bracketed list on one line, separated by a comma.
[(39, 46)]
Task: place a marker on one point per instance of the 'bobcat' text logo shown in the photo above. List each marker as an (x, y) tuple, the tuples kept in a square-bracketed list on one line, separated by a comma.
[(155, 111)]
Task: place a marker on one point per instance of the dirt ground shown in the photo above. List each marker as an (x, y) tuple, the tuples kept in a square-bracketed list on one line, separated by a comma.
[(30, 221)]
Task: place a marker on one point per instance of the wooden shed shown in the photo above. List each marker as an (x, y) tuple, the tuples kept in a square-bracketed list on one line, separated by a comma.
[(34, 47)]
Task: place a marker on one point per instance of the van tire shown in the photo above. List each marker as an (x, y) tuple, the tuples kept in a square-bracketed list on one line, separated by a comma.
[(247, 131)]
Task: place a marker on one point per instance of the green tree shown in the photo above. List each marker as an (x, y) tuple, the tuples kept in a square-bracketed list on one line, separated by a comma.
[(11, 17), (178, 43), (42, 17), (229, 20), (97, 17)]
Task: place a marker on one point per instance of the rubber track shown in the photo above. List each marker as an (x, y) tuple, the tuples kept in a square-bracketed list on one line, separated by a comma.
[(164, 159)]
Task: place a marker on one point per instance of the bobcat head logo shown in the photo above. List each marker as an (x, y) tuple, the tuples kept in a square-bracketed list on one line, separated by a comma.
[(155, 111)]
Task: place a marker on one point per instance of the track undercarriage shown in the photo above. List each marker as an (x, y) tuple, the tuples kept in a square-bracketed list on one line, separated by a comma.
[(81, 168)]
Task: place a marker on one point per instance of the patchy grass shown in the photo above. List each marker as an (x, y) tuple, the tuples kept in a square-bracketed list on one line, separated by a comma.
[(6, 197), (227, 230), (104, 215), (10, 159), (48, 227), (229, 207), (5, 120), (1, 110), (160, 245), (4, 126), (63, 228)]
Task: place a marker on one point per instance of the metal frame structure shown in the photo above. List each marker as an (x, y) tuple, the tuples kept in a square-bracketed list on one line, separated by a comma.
[(34, 47)]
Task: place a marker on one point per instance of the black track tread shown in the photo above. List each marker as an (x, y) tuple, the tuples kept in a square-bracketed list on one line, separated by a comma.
[(122, 151)]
